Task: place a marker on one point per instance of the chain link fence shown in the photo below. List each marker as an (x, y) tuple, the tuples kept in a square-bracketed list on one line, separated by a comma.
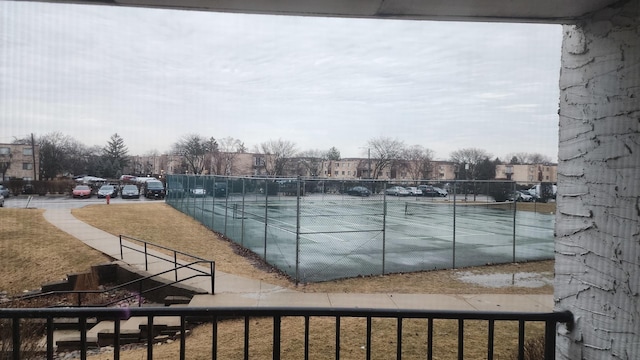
[(318, 229)]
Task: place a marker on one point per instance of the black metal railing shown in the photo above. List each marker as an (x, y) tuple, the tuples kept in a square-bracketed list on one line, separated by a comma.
[(137, 284), (176, 265), (215, 316)]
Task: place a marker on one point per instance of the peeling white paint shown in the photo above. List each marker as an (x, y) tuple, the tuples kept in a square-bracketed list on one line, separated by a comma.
[(598, 218)]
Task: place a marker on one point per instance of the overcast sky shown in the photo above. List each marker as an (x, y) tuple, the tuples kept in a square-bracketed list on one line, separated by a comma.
[(153, 76)]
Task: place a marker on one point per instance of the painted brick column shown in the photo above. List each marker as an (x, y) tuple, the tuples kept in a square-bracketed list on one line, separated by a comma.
[(598, 217)]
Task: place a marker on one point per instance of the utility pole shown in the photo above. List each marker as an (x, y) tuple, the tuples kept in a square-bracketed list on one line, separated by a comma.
[(369, 156), (33, 156)]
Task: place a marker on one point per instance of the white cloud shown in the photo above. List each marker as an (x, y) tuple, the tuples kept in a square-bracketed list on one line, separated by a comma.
[(154, 75)]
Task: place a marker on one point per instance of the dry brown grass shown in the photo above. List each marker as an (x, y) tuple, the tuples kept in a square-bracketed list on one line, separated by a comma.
[(161, 224), (34, 252)]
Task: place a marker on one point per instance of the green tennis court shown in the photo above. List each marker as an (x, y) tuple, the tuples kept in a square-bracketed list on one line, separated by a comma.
[(338, 236)]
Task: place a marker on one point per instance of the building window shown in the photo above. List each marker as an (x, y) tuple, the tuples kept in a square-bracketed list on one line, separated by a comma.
[(27, 166), (5, 151), (27, 151), (337, 164), (343, 172)]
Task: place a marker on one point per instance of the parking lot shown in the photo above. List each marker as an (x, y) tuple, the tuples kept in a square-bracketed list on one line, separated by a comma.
[(63, 201)]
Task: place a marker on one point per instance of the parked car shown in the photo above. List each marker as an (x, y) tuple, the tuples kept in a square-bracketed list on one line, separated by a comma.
[(198, 191), (441, 191), (154, 189), (396, 191), (414, 191), (4, 191), (105, 190), (220, 190), (81, 191), (130, 192), (520, 196), (1, 200), (431, 191), (359, 191)]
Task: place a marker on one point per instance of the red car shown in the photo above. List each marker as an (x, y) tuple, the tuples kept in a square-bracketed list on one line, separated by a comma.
[(81, 191)]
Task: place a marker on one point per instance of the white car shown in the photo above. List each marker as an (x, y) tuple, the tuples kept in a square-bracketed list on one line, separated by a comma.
[(198, 191), (414, 191), (396, 191)]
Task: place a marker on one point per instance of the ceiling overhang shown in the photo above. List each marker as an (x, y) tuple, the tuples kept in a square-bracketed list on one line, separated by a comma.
[(542, 11)]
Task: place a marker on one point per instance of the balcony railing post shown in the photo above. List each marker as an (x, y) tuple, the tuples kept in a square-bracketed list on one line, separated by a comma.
[(15, 336), (550, 340), (121, 253), (183, 338), (276, 337)]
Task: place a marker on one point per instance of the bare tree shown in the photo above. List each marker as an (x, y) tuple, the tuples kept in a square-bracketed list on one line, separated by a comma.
[(528, 158), (312, 161), (278, 154), (418, 161), (385, 153), (470, 157), (194, 149), (228, 150)]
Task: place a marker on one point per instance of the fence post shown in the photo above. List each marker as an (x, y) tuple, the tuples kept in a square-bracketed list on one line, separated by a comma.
[(242, 216), (515, 208), (121, 253), (213, 205), (298, 233), (266, 215), (146, 264), (384, 225), (455, 190), (226, 206)]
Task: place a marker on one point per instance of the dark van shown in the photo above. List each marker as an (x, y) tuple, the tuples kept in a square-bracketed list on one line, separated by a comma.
[(154, 189)]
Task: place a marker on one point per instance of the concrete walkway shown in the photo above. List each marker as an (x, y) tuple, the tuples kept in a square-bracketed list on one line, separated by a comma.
[(232, 290)]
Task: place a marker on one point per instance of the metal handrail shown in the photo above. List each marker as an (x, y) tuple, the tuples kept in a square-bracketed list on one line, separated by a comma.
[(128, 284), (175, 257), (213, 315)]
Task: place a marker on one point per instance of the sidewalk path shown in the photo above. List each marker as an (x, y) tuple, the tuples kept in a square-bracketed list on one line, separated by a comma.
[(110, 245), (232, 290)]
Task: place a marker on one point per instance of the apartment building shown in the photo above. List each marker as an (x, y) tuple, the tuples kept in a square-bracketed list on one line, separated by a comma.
[(528, 173), (19, 161)]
